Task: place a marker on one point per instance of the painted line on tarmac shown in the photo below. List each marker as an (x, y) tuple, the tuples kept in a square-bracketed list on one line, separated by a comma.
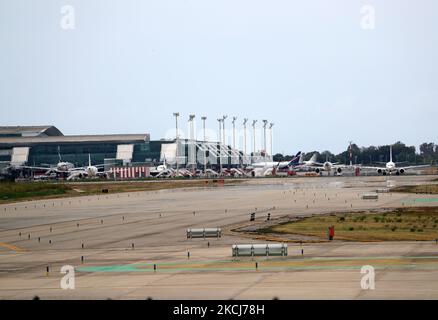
[(422, 200), (374, 258), (260, 268), (12, 247), (180, 266)]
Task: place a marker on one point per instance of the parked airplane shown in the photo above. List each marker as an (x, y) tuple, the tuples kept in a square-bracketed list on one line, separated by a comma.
[(327, 166), (88, 171), (160, 170), (313, 165), (164, 171), (61, 168), (261, 169), (391, 167), (277, 164)]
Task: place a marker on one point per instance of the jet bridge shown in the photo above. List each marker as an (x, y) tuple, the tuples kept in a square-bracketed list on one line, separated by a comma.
[(20, 155), (219, 150)]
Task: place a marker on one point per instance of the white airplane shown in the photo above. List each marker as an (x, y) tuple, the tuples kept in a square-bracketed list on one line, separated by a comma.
[(63, 166), (313, 165), (310, 162), (161, 170), (60, 168), (316, 166), (88, 171), (328, 166), (391, 167), (276, 164), (261, 169)]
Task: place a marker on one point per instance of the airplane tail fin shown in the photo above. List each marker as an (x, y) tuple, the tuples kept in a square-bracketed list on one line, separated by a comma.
[(313, 159), (89, 160), (390, 153), (296, 159)]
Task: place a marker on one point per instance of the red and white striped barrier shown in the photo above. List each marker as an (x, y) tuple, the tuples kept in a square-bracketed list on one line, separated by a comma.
[(130, 172)]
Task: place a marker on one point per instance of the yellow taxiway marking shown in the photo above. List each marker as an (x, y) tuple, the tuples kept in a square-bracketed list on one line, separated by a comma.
[(11, 247)]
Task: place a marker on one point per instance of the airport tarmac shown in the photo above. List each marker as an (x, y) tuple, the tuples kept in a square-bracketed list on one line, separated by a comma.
[(122, 236)]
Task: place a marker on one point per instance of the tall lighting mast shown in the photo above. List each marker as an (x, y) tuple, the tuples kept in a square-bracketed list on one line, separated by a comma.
[(219, 120), (205, 143), (265, 122), (254, 136), (192, 141), (270, 136), (245, 120), (223, 128), (220, 129), (234, 132), (176, 115), (224, 136)]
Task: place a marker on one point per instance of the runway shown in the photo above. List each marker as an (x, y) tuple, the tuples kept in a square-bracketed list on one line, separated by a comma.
[(122, 236)]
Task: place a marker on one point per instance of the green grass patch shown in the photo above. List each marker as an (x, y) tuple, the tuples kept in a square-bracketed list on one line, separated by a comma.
[(420, 189), (18, 191), (400, 224)]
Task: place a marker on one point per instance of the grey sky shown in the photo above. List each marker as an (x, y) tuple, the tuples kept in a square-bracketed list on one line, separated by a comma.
[(307, 66)]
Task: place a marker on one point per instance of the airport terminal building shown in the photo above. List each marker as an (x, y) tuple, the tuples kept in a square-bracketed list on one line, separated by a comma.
[(47, 145), (41, 145)]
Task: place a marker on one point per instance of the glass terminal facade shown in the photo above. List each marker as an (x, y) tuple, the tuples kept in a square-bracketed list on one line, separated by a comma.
[(45, 146)]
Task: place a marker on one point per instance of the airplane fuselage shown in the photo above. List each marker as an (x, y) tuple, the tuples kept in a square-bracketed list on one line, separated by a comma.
[(265, 164), (390, 165), (327, 166), (64, 166), (91, 171)]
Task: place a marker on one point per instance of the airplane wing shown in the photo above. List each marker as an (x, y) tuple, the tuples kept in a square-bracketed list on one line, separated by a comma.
[(395, 169), (343, 166), (38, 168), (76, 174), (317, 164), (309, 167), (371, 168), (103, 164), (299, 166), (283, 164), (416, 167)]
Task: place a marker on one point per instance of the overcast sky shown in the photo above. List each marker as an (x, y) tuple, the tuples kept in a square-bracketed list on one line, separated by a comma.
[(308, 66)]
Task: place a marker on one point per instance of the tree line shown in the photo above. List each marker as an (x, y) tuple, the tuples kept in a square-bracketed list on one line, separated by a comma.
[(428, 154)]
